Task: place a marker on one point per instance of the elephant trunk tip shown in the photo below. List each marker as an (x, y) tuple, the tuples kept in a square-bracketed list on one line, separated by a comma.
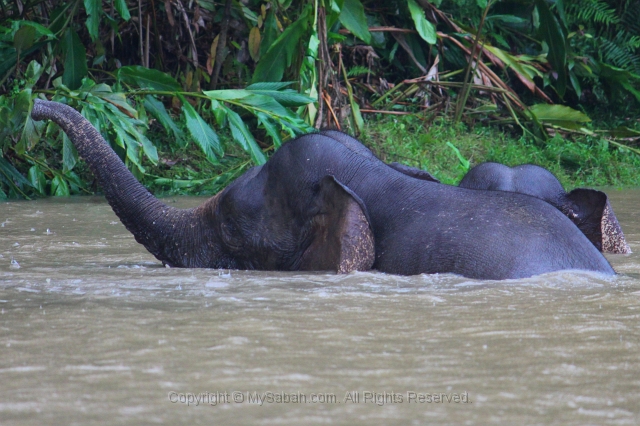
[(613, 240)]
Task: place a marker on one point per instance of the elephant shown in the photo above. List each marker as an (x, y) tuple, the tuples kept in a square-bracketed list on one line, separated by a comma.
[(589, 209), (325, 202)]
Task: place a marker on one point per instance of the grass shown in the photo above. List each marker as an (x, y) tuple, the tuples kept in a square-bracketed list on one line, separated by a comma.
[(584, 161)]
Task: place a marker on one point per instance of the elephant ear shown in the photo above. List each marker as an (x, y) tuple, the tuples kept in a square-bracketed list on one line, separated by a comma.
[(585, 207), (340, 233), (413, 172), (595, 218)]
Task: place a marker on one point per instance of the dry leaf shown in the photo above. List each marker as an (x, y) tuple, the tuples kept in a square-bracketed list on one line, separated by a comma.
[(254, 44), (167, 8)]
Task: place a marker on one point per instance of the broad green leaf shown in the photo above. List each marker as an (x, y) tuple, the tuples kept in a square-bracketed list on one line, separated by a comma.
[(508, 19), (24, 38), (227, 94), (558, 114), (266, 104), (270, 129), (34, 71), (69, 154), (157, 109), (147, 78), (295, 127), (575, 83), (94, 10), (117, 102), (122, 122), (552, 33), (249, 14), (288, 98), (8, 59), (11, 175), (31, 133), (631, 89), (353, 18), (148, 147), (75, 60), (219, 112), (120, 139), (279, 56), (74, 181), (9, 56), (357, 117), (425, 28), (624, 132), (242, 135), (59, 187), (40, 29), (270, 33), (202, 133), (619, 77), (91, 114), (37, 179), (123, 11), (269, 85), (519, 65), (132, 147)]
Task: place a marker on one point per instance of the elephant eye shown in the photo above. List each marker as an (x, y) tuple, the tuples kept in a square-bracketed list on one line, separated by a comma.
[(230, 234)]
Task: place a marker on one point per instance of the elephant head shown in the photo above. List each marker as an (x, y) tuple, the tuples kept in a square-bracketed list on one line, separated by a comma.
[(356, 146), (589, 209), (260, 221)]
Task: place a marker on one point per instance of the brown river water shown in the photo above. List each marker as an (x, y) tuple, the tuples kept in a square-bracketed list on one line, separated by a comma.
[(93, 330)]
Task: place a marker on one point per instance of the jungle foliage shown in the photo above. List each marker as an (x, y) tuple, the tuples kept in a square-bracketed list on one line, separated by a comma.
[(255, 73)]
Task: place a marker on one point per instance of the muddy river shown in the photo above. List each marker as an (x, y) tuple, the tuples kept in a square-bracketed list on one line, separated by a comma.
[(94, 330)]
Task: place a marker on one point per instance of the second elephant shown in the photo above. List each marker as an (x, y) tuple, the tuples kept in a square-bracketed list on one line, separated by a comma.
[(589, 209)]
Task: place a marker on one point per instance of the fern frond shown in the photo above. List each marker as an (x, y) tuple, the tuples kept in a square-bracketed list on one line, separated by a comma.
[(631, 18), (358, 70), (617, 54), (594, 11)]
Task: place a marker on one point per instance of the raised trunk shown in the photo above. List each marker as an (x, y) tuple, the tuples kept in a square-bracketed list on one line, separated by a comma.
[(168, 233)]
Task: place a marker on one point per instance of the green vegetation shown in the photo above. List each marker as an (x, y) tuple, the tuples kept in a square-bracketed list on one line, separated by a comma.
[(190, 94)]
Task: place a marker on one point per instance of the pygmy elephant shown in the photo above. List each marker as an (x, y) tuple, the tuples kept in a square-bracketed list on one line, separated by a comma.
[(325, 202), (589, 209)]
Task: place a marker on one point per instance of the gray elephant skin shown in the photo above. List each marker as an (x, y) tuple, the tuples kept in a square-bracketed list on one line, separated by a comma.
[(589, 209), (324, 202)]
